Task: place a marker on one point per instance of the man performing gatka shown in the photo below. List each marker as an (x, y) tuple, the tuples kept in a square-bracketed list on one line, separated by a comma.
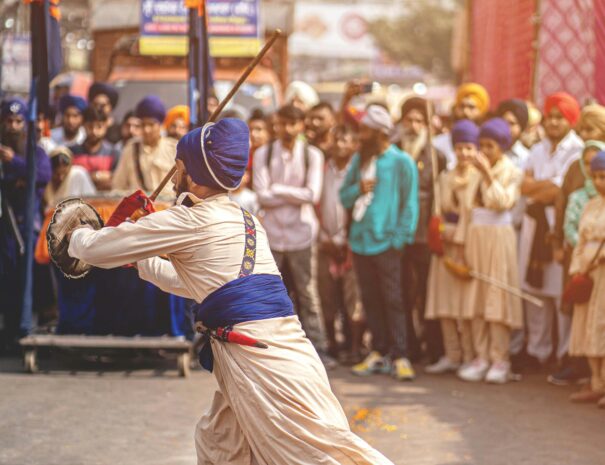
[(273, 405)]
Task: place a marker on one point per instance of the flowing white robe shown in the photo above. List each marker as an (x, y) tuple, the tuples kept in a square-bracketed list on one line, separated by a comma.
[(274, 406)]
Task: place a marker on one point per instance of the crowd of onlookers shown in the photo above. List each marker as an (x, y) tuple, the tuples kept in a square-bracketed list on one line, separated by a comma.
[(450, 243)]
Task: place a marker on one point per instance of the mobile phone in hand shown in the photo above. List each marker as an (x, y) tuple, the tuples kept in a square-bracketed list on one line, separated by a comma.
[(366, 87)]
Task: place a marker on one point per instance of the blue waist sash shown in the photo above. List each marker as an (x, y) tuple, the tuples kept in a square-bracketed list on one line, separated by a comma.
[(248, 298)]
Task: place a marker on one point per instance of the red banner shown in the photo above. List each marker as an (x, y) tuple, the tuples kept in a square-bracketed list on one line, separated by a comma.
[(599, 32), (566, 49), (501, 47), (570, 52)]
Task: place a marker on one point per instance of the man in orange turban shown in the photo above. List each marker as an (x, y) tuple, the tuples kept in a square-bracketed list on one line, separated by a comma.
[(176, 122), (567, 106), (541, 274)]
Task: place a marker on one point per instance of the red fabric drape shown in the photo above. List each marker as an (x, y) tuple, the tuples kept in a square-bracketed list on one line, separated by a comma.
[(571, 48), (567, 49), (599, 32), (501, 47)]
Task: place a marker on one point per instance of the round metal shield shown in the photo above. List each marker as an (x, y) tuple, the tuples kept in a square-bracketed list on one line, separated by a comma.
[(69, 215)]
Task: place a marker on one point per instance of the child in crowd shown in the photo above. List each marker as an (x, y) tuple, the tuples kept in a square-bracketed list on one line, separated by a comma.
[(587, 335), (447, 306), (491, 249), (579, 198)]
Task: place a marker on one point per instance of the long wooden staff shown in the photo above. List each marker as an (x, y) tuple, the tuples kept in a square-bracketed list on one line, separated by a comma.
[(434, 161), (464, 272), (224, 102)]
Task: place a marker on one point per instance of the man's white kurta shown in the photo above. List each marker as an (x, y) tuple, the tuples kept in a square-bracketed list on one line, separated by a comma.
[(274, 406), (547, 166)]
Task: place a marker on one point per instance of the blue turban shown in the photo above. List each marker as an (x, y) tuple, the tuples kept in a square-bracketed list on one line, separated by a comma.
[(598, 162), (100, 88), (497, 130), (71, 101), (465, 131), (217, 154), (14, 106), (151, 107)]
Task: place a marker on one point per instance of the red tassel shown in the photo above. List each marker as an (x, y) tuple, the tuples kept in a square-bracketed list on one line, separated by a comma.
[(434, 236), (238, 338)]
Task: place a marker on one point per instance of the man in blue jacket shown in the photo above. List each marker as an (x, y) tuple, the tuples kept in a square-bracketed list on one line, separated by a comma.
[(381, 188)]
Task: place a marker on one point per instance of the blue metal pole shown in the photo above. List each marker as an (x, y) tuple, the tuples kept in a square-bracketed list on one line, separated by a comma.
[(193, 68), (30, 213)]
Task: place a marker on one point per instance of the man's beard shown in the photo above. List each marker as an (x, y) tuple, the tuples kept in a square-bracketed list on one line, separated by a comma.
[(69, 133), (369, 148), (92, 141), (319, 134), (14, 140), (180, 187), (412, 143)]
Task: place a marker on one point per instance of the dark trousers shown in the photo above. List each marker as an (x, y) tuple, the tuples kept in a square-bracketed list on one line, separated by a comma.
[(303, 277), (379, 278), (415, 266), (12, 283)]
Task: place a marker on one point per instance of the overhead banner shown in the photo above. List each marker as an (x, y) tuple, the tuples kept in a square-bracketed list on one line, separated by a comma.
[(335, 30), (233, 26), (16, 64)]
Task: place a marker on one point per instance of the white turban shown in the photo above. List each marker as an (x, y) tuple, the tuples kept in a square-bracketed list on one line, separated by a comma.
[(377, 117), (304, 92)]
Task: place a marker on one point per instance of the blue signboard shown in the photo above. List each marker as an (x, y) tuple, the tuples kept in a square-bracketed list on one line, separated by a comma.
[(233, 26)]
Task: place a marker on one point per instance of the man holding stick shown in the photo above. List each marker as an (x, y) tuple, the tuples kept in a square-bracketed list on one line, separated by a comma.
[(272, 405)]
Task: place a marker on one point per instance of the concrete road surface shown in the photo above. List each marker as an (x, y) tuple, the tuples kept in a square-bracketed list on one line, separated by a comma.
[(140, 413)]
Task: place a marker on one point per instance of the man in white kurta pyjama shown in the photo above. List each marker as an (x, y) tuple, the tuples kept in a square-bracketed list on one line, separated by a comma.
[(272, 406)]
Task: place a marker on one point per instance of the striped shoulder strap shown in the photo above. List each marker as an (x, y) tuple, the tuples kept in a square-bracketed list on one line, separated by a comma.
[(249, 259)]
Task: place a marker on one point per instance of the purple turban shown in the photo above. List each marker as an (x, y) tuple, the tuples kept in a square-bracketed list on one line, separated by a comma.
[(14, 106), (151, 107), (217, 154), (101, 88), (71, 101), (497, 130), (598, 162), (465, 131)]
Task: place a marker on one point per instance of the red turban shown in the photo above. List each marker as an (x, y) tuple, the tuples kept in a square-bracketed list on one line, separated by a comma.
[(566, 104)]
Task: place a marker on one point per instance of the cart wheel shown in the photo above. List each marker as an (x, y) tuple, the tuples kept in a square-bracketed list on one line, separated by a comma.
[(183, 365), (29, 361)]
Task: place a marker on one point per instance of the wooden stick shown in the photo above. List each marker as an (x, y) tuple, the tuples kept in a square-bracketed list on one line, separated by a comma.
[(215, 114), (507, 288), (434, 160)]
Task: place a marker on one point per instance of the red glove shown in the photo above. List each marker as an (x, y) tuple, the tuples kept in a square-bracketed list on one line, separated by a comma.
[(137, 203)]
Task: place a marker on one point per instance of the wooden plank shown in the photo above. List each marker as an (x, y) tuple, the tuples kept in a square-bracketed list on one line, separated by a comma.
[(105, 342)]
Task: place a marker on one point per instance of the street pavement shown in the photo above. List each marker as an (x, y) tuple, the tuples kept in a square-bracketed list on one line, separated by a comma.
[(140, 412)]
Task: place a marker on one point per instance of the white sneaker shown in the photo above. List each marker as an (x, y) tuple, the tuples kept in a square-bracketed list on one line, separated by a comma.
[(443, 365), (463, 367), (475, 371), (499, 373)]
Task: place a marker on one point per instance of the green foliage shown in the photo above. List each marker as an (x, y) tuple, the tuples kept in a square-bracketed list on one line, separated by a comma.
[(423, 36)]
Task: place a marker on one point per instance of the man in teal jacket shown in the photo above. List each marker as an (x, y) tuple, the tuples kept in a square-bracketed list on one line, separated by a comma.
[(381, 188)]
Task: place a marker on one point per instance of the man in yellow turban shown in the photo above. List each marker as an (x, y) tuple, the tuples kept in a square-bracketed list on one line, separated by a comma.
[(472, 102)]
